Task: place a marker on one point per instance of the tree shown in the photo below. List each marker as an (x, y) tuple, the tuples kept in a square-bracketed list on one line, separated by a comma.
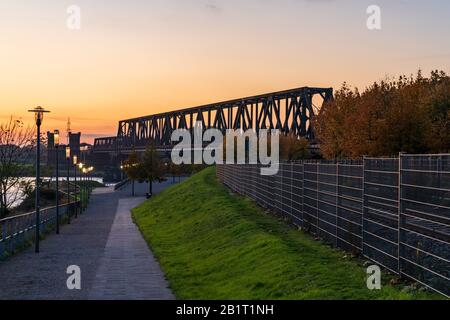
[(132, 169), (438, 135), (410, 114), (174, 170), (16, 154), (293, 148), (153, 167)]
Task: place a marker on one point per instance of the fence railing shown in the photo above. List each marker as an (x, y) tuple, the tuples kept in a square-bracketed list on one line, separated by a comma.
[(19, 230), (393, 211)]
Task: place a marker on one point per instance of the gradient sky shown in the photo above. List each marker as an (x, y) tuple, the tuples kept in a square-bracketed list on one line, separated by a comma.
[(138, 57)]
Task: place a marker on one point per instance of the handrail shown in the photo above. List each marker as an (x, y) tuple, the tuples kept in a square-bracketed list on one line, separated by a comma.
[(33, 212), (120, 184), (17, 231)]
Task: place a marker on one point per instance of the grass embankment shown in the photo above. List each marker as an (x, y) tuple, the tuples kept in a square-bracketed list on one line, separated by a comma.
[(212, 244)]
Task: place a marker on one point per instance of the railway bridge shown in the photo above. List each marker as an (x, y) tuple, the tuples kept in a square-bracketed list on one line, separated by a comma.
[(290, 111)]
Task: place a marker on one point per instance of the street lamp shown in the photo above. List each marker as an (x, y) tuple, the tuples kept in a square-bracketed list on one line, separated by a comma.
[(56, 143), (68, 182), (39, 117), (74, 161), (84, 170), (90, 178), (80, 166)]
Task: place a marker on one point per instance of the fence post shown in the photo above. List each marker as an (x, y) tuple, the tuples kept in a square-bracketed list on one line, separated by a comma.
[(292, 189), (363, 204), (2, 244), (11, 236), (337, 200), (400, 210), (317, 198), (281, 170), (303, 194)]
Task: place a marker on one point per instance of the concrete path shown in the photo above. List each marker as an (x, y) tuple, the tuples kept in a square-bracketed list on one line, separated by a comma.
[(114, 259), (128, 268)]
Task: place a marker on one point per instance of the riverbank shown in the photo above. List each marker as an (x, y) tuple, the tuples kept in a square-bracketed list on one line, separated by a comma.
[(48, 196)]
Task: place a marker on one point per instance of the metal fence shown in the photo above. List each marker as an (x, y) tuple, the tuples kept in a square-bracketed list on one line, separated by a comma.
[(424, 196), (18, 231), (393, 211)]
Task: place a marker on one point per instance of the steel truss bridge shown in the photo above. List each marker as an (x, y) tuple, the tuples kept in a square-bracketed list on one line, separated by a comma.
[(290, 111)]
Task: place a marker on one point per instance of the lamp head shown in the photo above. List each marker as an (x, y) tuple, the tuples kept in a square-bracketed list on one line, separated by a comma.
[(67, 152), (56, 138), (75, 160), (38, 115)]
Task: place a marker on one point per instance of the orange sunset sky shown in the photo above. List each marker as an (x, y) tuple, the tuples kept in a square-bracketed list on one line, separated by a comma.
[(134, 58)]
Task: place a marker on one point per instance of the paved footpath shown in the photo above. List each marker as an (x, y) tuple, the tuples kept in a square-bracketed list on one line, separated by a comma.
[(114, 259)]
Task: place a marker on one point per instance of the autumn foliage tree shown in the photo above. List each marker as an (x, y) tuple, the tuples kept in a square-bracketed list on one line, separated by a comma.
[(153, 168), (133, 169), (410, 114), (293, 148)]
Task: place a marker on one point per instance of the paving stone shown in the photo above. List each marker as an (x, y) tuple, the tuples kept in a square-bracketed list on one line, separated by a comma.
[(114, 259)]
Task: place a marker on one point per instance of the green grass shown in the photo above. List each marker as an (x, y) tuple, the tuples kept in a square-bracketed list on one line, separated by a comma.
[(212, 244)]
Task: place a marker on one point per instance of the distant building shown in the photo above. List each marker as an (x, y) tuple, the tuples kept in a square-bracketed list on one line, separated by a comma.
[(74, 143), (76, 148)]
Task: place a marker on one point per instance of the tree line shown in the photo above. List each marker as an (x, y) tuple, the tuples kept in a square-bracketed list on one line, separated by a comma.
[(409, 114)]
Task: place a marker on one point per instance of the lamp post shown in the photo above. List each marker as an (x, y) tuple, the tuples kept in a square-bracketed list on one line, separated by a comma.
[(39, 117), (88, 188), (80, 166), (84, 187), (68, 182), (88, 185), (74, 161), (90, 180), (56, 143)]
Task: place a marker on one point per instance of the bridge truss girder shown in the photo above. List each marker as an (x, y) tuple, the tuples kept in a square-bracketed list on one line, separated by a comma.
[(290, 111)]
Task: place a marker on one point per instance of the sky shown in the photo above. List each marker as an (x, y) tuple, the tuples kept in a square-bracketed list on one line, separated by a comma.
[(138, 57)]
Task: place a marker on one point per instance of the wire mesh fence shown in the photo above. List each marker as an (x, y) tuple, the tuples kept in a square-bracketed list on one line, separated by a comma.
[(393, 211), (424, 234), (380, 211)]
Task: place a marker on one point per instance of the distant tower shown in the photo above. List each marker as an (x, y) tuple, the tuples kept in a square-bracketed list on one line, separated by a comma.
[(68, 130)]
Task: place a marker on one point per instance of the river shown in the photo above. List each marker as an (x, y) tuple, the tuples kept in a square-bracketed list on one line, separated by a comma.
[(16, 195)]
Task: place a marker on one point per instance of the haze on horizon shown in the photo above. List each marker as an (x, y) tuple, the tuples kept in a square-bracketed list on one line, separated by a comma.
[(139, 57)]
